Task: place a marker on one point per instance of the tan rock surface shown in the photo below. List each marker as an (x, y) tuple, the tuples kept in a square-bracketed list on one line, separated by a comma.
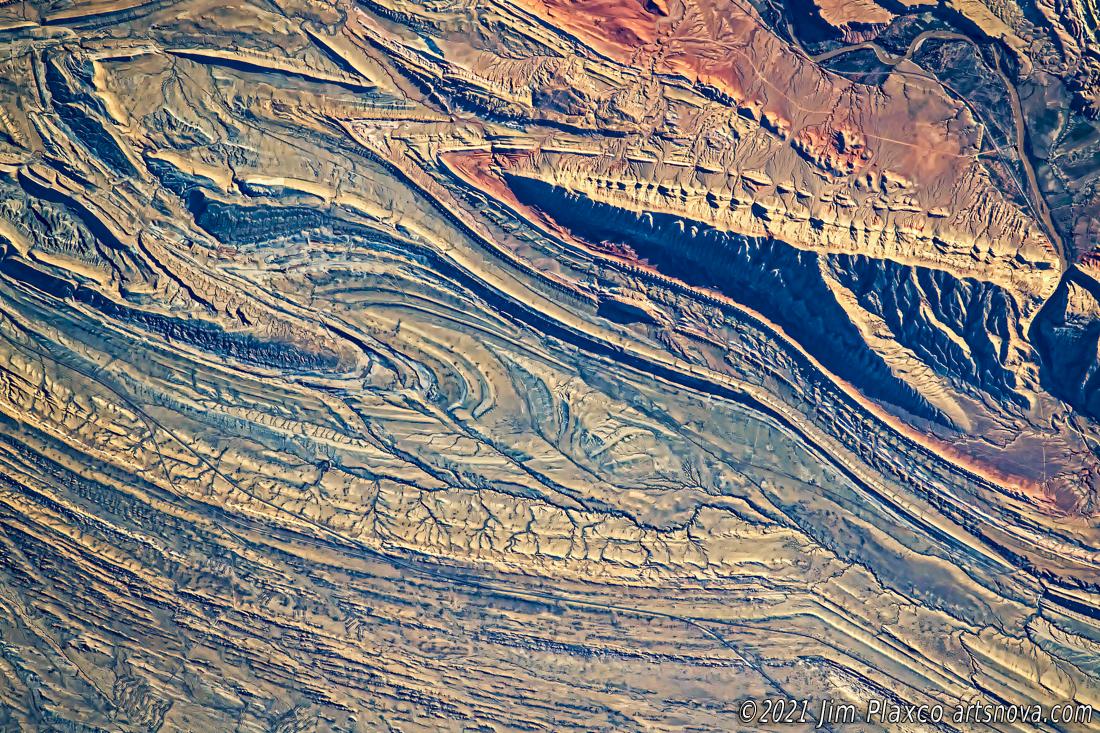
[(529, 365)]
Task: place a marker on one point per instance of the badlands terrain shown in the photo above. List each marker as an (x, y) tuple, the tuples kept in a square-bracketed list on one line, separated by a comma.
[(546, 365)]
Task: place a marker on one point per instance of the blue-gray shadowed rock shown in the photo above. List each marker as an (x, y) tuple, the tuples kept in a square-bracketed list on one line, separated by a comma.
[(523, 365)]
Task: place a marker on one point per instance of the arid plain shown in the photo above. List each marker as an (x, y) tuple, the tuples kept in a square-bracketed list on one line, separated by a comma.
[(546, 365)]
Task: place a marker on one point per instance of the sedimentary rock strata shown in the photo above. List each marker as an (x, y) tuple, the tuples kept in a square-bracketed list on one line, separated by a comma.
[(540, 365)]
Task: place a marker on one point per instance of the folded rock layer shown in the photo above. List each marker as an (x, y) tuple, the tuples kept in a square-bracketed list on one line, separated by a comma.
[(532, 365)]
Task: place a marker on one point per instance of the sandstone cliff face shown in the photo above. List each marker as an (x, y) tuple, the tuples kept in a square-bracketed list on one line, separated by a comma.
[(528, 365)]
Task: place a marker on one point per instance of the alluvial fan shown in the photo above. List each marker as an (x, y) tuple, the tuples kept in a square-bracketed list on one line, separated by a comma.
[(533, 365)]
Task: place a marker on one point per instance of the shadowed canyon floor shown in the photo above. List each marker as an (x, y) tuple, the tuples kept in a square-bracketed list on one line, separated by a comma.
[(533, 365)]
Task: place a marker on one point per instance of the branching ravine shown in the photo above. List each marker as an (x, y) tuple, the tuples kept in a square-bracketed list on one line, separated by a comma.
[(527, 365)]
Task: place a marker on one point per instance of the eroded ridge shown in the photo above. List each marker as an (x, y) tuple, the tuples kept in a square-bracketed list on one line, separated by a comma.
[(531, 365)]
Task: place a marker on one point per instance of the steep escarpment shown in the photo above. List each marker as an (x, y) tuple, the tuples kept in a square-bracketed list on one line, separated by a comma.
[(772, 277), (964, 329), (1068, 336), (526, 365)]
